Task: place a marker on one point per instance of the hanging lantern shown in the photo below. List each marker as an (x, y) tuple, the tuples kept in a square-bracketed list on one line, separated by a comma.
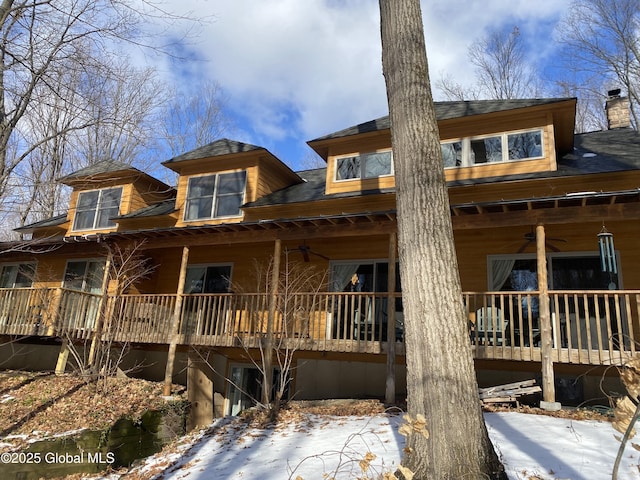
[(607, 251)]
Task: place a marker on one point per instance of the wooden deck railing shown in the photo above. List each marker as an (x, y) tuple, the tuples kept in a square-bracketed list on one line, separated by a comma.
[(593, 327), (333, 321), (47, 311), (587, 327)]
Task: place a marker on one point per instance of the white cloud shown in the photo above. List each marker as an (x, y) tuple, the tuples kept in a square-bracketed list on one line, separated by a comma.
[(293, 70)]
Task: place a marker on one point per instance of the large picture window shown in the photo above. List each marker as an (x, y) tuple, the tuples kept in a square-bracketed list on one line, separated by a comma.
[(17, 275), (214, 196), (96, 208), (365, 165), (84, 275), (505, 147)]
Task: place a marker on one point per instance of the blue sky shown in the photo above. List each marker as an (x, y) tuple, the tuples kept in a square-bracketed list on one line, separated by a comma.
[(294, 70)]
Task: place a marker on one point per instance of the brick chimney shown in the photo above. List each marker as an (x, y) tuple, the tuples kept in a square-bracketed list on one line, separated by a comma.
[(617, 109)]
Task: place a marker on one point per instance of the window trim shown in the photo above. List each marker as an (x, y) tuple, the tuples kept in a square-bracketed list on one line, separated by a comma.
[(214, 197), (504, 136), (17, 264), (362, 165), (95, 209)]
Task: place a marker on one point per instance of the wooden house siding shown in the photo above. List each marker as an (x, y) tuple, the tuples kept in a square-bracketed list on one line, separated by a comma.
[(273, 176)]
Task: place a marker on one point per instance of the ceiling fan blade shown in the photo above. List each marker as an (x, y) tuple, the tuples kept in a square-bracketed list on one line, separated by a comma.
[(319, 255), (552, 247)]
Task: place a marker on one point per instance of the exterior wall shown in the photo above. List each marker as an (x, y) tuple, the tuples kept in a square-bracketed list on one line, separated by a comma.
[(30, 357), (321, 379)]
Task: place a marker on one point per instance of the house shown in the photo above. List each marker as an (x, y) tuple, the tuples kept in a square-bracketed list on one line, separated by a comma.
[(210, 247)]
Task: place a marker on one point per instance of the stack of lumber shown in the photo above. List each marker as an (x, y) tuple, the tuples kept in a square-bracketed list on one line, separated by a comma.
[(509, 392)]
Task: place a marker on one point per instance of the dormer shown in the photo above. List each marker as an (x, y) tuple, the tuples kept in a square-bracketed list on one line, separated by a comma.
[(479, 139), (217, 179), (104, 191)]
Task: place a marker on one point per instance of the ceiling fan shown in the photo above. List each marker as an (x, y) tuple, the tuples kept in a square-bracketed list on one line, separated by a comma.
[(306, 252), (530, 238)]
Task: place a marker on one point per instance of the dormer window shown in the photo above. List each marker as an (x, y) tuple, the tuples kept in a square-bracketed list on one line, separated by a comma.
[(96, 208), (364, 165), (505, 147), (215, 196)]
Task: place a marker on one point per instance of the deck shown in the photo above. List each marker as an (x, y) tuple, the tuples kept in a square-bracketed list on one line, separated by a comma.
[(588, 327)]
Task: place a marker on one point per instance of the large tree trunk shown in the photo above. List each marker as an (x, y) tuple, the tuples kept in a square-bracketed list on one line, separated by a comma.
[(441, 380)]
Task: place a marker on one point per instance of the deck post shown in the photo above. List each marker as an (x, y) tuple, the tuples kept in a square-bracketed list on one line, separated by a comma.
[(267, 354), (97, 334), (175, 323), (390, 390), (548, 380)]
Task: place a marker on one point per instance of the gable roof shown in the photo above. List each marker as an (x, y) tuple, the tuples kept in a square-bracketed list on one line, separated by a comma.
[(221, 147), (104, 166)]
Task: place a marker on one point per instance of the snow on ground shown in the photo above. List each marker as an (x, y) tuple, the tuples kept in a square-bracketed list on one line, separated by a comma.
[(530, 446)]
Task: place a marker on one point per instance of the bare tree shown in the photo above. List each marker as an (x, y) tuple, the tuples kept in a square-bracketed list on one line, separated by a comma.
[(193, 119), (62, 62), (590, 116), (501, 70), (601, 41), (441, 381), (298, 298)]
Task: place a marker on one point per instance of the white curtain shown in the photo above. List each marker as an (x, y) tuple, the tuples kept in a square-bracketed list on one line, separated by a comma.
[(500, 270), (341, 275)]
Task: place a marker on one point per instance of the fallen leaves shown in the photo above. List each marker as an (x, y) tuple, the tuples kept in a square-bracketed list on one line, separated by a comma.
[(55, 404)]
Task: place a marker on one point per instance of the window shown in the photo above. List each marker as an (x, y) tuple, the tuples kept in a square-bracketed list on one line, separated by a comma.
[(509, 146), (364, 276), (84, 275), (366, 165), (96, 208), (214, 196), (565, 272), (208, 279), (18, 275)]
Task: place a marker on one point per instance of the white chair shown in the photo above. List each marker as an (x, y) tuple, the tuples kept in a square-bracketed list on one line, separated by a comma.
[(491, 325)]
